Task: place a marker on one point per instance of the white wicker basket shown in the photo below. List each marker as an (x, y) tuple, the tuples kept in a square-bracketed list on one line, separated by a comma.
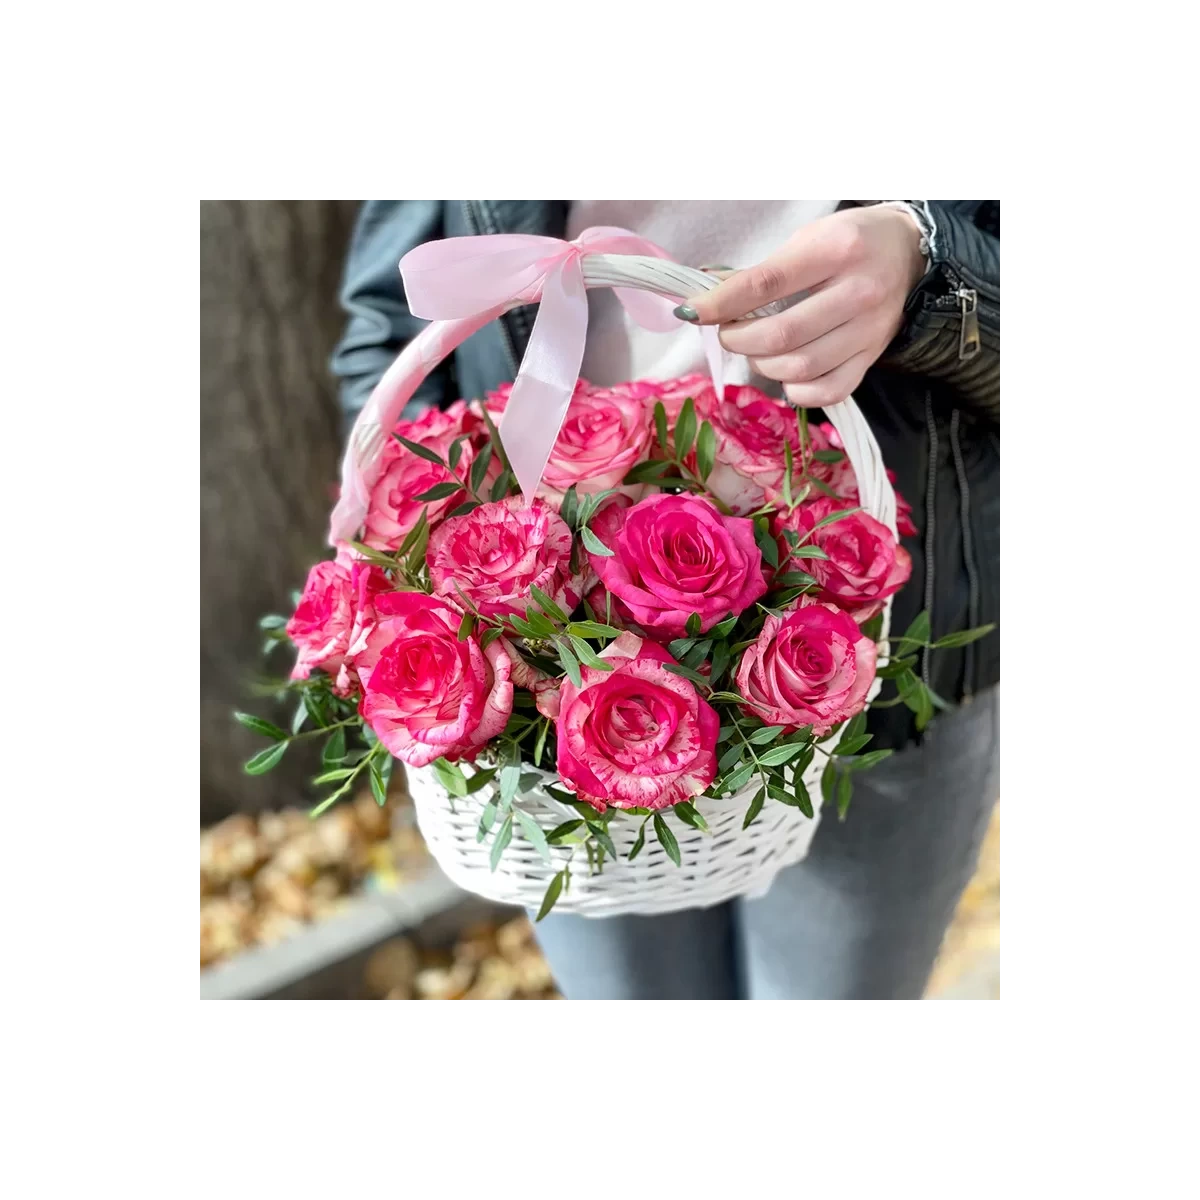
[(716, 867)]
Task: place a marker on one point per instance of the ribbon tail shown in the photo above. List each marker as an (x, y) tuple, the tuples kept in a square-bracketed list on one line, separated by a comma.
[(541, 394), (714, 352)]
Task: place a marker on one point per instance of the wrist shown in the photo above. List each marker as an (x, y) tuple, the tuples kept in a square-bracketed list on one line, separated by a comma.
[(918, 224)]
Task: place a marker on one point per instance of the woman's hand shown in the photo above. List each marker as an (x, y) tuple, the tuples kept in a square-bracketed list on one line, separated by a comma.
[(857, 266)]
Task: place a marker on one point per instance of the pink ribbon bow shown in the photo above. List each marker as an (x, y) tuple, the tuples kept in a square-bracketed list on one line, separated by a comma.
[(461, 284)]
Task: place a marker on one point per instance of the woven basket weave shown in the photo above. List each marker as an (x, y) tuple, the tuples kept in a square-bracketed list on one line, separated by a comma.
[(728, 862)]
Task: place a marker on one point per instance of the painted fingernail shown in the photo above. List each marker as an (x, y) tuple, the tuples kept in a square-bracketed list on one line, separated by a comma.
[(686, 313), (716, 267)]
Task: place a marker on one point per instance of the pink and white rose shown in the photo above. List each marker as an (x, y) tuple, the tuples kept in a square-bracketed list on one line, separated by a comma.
[(752, 430), (498, 551), (696, 387), (426, 694), (320, 626), (812, 667), (674, 556), (864, 563), (394, 507), (606, 432), (636, 736)]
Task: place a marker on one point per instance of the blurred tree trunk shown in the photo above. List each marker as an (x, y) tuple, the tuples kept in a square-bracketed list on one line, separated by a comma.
[(270, 436)]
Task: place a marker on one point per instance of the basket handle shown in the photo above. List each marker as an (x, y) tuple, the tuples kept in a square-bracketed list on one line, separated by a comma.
[(661, 276)]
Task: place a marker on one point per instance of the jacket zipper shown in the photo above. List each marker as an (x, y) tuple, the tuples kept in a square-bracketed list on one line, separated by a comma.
[(966, 300), (968, 555), (930, 501), (476, 224)]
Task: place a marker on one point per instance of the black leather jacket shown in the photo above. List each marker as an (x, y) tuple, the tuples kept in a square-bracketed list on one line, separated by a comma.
[(933, 399)]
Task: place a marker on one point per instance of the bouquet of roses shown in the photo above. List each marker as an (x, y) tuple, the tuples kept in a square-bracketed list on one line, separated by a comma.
[(688, 609)]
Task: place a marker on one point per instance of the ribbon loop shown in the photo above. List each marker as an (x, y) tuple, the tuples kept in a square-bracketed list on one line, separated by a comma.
[(459, 278)]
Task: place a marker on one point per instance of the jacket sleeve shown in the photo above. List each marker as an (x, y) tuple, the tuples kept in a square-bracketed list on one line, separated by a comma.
[(952, 328), (380, 323)]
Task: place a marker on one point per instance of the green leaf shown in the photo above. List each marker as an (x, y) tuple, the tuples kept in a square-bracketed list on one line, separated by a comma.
[(725, 627), (510, 782), (686, 672), (648, 472), (840, 515), (490, 636), (895, 668), (334, 776), (546, 604), (455, 455), (844, 790), (570, 664), (264, 760), (794, 579), (600, 834), (301, 716), (466, 626), (480, 780), (693, 625), (731, 756), (874, 627), (828, 456), (780, 754), (421, 451), (260, 726), (540, 624), (788, 468), (864, 762), (740, 777), (809, 552), (761, 737), (919, 629), (494, 436), (848, 746), (487, 818), (768, 547), (335, 748), (706, 450), (439, 491), (553, 891), (856, 725), (686, 812), (685, 429), (639, 842), (273, 621), (666, 838), (965, 638), (561, 832), (803, 800), (592, 629), (501, 487), (828, 782), (534, 835), (411, 537), (755, 808), (462, 509), (479, 467), (660, 424), (569, 509), (720, 660), (540, 744), (587, 655), (593, 544), (698, 653), (378, 784), (500, 844), (450, 776)]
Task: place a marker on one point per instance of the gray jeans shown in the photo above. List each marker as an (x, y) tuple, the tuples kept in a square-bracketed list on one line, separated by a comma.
[(861, 918)]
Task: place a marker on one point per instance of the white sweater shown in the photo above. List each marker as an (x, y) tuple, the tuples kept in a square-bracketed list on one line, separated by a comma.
[(734, 233)]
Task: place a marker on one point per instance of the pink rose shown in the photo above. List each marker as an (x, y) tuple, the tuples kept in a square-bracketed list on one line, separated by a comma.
[(498, 551), (813, 667), (839, 476), (673, 392), (426, 694), (606, 432), (752, 430), (636, 736), (394, 507), (674, 556), (865, 564), (904, 522), (320, 626)]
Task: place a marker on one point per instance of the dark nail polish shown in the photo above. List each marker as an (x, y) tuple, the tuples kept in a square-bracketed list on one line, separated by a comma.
[(684, 313)]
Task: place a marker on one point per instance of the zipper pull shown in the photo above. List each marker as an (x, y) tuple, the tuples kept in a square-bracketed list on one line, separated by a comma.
[(968, 339)]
